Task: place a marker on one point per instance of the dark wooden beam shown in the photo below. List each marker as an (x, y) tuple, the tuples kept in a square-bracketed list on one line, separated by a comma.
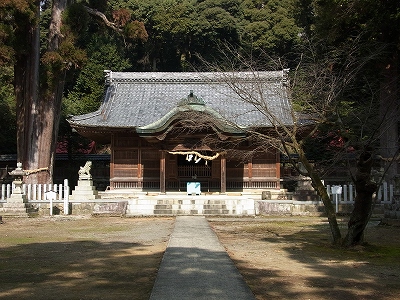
[(162, 173)]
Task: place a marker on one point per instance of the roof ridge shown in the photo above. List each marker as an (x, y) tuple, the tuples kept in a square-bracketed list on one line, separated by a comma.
[(217, 77)]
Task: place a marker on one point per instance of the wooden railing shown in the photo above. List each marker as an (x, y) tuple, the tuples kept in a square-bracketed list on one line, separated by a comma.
[(206, 184), (191, 171), (248, 184)]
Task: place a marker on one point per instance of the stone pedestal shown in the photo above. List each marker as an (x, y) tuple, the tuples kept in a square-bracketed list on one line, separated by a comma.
[(85, 190), (304, 190), (17, 204)]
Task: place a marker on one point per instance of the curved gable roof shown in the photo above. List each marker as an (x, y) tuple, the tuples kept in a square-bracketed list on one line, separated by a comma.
[(191, 103)]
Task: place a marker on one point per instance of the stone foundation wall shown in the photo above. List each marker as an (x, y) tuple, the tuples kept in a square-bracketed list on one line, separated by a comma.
[(296, 208), (117, 208), (134, 207)]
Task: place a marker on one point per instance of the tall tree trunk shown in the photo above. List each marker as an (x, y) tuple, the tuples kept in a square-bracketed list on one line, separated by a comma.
[(51, 96), (26, 76), (38, 114), (365, 189)]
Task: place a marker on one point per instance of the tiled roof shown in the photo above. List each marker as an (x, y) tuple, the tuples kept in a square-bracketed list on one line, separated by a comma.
[(138, 99)]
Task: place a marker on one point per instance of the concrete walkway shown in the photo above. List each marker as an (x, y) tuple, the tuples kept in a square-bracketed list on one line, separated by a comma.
[(196, 266)]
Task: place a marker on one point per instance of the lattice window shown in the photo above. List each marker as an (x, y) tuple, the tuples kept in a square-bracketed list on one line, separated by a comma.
[(126, 142), (264, 165), (236, 169), (150, 163), (126, 163)]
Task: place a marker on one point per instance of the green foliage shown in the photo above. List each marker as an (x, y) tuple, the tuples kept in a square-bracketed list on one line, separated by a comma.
[(100, 5), (8, 143), (179, 30), (135, 30), (68, 55), (45, 19), (373, 30), (7, 52), (84, 90), (343, 21), (269, 26), (87, 91), (339, 79), (219, 21), (16, 17), (121, 16), (77, 18)]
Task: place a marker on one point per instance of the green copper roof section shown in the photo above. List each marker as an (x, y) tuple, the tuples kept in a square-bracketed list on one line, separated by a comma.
[(190, 103)]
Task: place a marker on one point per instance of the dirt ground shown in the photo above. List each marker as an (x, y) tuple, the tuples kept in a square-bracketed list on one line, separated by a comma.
[(117, 258), (292, 258), (81, 258)]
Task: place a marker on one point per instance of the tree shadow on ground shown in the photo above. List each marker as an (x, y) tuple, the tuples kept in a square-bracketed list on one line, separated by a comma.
[(77, 257), (78, 270), (307, 266), (365, 272)]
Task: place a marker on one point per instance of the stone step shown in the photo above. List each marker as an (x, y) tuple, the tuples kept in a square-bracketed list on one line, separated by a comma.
[(214, 206), (162, 206), (163, 212), (16, 208), (202, 205), (216, 211), (117, 196), (214, 202), (188, 202), (170, 212), (174, 212), (15, 212)]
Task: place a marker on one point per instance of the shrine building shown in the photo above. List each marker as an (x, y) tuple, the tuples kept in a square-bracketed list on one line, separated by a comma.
[(168, 130)]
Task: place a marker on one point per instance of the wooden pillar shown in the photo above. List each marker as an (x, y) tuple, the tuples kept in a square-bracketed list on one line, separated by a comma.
[(162, 173), (112, 160), (140, 165), (250, 169), (223, 175), (278, 169)]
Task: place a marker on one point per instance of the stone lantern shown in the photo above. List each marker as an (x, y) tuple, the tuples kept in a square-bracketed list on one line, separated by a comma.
[(18, 175), (16, 204)]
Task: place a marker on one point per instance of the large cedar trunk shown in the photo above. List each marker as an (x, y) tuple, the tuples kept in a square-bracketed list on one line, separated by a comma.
[(38, 115), (26, 76), (365, 189), (51, 95)]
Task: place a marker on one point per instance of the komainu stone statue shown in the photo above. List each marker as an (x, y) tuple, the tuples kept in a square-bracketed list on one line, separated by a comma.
[(84, 172)]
